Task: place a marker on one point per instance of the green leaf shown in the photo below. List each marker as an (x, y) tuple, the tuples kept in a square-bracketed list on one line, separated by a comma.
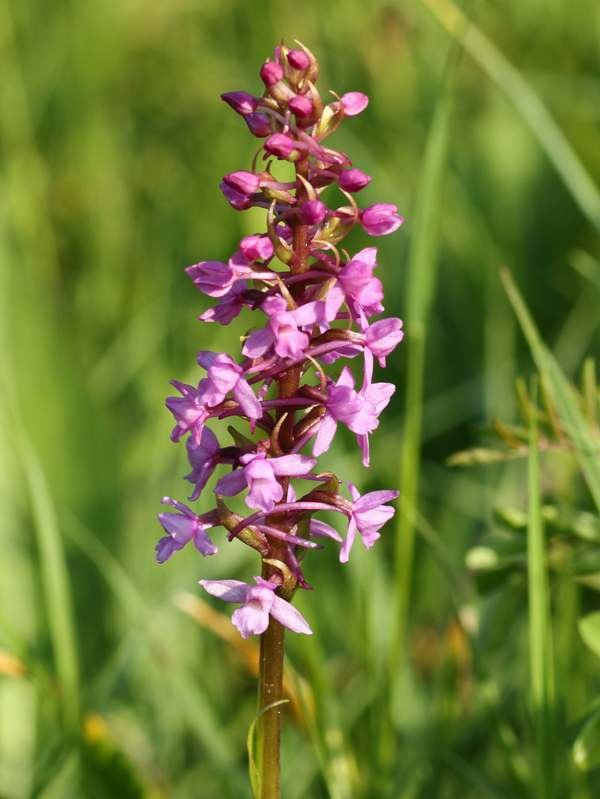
[(421, 282), (583, 438), (253, 768), (55, 578), (589, 629), (586, 747)]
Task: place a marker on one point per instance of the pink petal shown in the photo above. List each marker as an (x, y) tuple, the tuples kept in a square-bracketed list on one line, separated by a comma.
[(206, 358), (354, 103), (346, 378), (165, 547), (286, 614), (325, 435), (232, 483), (363, 443), (181, 528), (305, 315), (368, 256), (264, 493), (321, 528), (373, 499), (203, 543), (379, 395), (347, 546), (227, 590), (291, 465), (258, 342), (354, 492), (245, 396)]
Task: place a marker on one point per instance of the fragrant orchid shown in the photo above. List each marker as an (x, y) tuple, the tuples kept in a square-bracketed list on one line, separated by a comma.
[(317, 304)]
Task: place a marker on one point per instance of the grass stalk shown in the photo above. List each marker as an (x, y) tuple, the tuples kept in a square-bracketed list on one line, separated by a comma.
[(420, 291), (540, 631)]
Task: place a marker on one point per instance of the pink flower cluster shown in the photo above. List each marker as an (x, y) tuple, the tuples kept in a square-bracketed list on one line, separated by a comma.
[(316, 305)]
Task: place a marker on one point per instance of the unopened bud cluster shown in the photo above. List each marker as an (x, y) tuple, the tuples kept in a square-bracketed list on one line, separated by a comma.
[(316, 305)]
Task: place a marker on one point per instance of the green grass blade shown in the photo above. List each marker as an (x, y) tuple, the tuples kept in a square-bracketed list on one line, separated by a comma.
[(529, 105), (420, 291), (563, 395), (540, 638), (108, 566), (55, 578)]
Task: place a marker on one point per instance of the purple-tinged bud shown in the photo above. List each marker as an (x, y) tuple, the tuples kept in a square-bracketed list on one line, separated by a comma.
[(312, 212), (353, 180), (258, 124), (282, 146), (271, 73), (235, 198), (256, 248), (213, 278), (380, 219), (284, 231), (298, 60), (245, 182), (301, 106), (241, 102), (354, 102)]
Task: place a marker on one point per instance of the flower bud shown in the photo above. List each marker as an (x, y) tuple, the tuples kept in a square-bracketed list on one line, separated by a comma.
[(284, 231), (271, 73), (241, 102), (380, 219), (353, 180), (354, 102), (312, 212), (282, 146), (256, 248), (238, 187), (244, 182), (301, 106), (258, 124), (298, 59)]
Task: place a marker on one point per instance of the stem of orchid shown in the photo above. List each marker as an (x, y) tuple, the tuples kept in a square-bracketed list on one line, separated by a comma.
[(270, 691), (270, 680)]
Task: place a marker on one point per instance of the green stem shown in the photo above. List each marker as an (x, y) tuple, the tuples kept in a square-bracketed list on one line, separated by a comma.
[(270, 691)]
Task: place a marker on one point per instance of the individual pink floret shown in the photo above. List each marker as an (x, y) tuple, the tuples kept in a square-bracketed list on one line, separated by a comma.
[(258, 603)]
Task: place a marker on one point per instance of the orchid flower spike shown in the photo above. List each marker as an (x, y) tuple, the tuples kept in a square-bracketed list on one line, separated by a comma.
[(314, 304)]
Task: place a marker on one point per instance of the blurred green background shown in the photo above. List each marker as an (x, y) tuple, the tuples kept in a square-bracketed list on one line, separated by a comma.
[(114, 683)]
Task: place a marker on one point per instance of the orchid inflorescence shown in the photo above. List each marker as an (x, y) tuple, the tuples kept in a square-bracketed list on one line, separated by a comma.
[(317, 309)]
